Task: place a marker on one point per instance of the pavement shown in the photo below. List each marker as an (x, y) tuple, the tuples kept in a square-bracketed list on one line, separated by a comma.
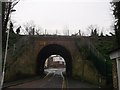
[(51, 80), (55, 80)]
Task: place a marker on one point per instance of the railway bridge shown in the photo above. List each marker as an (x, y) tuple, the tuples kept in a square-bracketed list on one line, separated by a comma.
[(27, 57)]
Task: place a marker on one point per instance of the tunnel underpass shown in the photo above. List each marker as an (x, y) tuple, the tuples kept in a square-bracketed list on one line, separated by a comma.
[(54, 49)]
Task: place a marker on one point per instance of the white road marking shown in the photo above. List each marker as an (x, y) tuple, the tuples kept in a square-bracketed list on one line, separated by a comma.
[(63, 83)]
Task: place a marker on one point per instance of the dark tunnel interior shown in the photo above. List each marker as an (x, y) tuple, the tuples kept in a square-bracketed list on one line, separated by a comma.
[(54, 49)]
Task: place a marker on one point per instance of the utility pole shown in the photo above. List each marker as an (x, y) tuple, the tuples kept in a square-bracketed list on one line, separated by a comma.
[(79, 32), (33, 31), (0, 44), (56, 31), (68, 32), (45, 31)]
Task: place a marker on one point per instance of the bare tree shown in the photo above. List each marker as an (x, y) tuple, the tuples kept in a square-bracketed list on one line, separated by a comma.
[(66, 31), (116, 12), (94, 30), (37, 31), (7, 9), (31, 28)]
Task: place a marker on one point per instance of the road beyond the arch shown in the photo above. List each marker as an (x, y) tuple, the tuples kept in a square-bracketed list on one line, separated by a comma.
[(54, 79)]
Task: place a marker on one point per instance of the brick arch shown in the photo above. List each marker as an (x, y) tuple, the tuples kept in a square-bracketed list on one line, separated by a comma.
[(53, 49)]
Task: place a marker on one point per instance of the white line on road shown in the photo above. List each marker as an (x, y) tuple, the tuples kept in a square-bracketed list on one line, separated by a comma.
[(46, 75), (63, 83)]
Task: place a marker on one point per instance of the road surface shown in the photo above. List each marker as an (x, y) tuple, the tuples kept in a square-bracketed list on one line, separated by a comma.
[(54, 79)]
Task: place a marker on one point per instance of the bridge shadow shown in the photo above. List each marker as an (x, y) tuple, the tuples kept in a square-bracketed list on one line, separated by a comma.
[(54, 49)]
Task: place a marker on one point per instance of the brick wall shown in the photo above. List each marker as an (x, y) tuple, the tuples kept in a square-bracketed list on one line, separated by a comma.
[(114, 73)]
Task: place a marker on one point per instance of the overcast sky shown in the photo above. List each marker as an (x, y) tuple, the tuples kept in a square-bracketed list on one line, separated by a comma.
[(64, 14)]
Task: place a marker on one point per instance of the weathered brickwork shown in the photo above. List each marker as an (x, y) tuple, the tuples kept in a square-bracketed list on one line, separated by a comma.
[(31, 53), (114, 72)]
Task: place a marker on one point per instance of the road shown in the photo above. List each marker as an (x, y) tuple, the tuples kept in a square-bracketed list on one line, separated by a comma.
[(54, 79)]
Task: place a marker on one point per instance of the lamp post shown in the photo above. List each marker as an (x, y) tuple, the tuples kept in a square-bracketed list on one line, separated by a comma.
[(3, 69)]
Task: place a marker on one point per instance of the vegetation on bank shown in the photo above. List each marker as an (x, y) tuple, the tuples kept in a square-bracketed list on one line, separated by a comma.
[(97, 50)]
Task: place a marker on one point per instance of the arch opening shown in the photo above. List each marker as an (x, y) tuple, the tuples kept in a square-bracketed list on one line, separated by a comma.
[(55, 63), (54, 49)]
